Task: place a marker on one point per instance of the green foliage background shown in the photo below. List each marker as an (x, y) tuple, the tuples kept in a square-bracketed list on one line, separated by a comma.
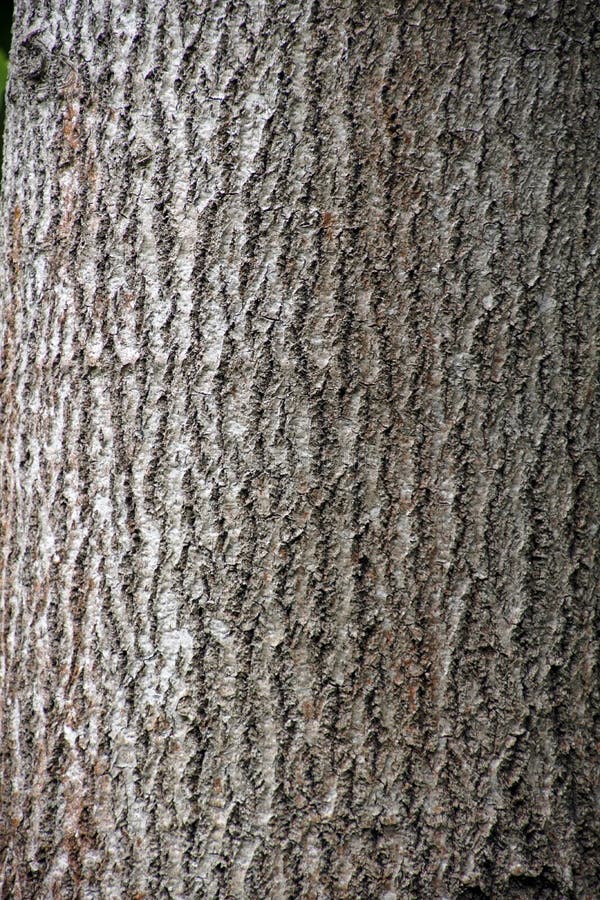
[(6, 16)]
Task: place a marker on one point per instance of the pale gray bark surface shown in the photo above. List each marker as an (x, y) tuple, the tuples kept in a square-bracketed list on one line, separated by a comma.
[(299, 414)]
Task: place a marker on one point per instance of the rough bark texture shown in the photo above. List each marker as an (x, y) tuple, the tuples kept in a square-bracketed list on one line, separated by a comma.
[(299, 450)]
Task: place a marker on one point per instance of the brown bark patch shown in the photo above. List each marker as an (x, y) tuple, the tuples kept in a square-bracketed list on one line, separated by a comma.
[(70, 128), (327, 221)]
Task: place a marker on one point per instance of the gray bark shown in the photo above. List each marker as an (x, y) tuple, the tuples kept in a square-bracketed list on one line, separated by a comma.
[(299, 450)]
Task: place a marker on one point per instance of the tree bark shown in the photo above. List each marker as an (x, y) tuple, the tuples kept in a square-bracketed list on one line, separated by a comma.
[(299, 450)]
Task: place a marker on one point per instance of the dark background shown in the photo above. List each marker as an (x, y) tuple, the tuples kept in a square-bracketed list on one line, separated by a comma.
[(6, 16)]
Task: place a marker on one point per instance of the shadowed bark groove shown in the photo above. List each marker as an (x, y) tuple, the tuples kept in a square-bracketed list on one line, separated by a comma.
[(299, 450)]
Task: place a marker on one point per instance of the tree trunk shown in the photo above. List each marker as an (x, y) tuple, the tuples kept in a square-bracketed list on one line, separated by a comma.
[(299, 450)]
